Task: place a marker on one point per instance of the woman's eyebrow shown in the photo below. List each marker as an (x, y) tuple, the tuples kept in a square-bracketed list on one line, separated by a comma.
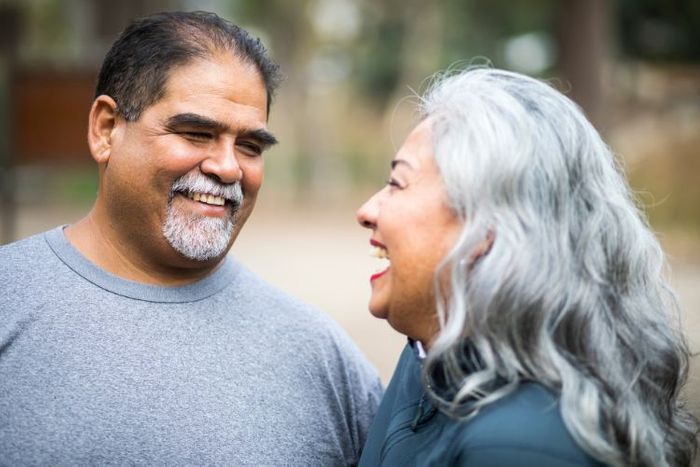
[(396, 162)]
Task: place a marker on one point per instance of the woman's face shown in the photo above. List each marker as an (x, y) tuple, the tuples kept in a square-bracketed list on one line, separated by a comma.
[(413, 227)]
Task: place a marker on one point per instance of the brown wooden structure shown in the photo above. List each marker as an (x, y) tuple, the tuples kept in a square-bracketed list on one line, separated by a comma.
[(50, 114)]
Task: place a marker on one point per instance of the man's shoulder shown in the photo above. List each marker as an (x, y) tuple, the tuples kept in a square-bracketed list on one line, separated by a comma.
[(27, 277), (315, 335), (23, 244), (249, 288), (22, 254)]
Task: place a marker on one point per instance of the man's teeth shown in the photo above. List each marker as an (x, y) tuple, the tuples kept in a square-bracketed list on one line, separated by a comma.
[(378, 252), (206, 198)]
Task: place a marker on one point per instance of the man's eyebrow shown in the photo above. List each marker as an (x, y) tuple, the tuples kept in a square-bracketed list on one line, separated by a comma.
[(396, 162), (201, 122), (263, 136), (195, 120)]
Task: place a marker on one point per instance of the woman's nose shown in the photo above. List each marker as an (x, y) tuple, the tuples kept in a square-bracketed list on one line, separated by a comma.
[(367, 214)]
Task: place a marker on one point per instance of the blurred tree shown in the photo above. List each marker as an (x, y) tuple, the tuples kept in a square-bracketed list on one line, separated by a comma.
[(660, 30), (10, 31), (478, 29), (583, 39), (405, 41), (378, 55), (111, 17), (292, 41)]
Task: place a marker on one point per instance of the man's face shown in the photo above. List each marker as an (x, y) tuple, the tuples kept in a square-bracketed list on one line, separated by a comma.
[(181, 181)]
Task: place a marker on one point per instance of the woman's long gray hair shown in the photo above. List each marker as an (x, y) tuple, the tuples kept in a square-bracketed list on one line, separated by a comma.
[(571, 293)]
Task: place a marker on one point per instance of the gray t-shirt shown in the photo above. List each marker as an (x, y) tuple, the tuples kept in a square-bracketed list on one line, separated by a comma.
[(95, 369)]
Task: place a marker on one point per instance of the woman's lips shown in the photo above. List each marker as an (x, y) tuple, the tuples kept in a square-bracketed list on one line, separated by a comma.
[(377, 275), (377, 244)]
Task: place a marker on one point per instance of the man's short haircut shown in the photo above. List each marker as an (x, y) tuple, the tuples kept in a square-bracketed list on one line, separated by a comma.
[(137, 66)]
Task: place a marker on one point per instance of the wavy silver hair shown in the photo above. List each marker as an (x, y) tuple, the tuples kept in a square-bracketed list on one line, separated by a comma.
[(571, 293)]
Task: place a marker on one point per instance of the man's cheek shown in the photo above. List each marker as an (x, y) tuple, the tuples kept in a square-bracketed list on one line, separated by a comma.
[(253, 179)]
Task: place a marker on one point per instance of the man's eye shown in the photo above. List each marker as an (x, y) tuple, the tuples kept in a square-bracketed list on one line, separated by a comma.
[(197, 135), (251, 148)]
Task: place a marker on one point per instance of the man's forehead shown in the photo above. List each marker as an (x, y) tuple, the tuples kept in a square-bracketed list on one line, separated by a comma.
[(244, 71), (202, 85), (198, 72)]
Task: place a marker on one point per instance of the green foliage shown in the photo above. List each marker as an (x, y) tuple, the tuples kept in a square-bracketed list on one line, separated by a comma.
[(478, 29), (364, 170), (378, 58), (75, 186)]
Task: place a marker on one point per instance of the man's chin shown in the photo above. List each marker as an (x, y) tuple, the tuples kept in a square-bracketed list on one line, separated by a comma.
[(199, 240), (201, 250)]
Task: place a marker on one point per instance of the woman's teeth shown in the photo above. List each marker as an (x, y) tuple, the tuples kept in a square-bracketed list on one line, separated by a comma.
[(382, 255), (379, 252), (206, 198)]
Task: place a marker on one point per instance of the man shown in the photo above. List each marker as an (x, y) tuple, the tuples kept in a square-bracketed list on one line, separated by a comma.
[(129, 337)]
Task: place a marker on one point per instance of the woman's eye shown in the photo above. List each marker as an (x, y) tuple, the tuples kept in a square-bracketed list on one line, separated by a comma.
[(393, 183)]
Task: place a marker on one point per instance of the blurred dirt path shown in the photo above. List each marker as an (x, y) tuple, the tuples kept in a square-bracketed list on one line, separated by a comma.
[(686, 282), (322, 257)]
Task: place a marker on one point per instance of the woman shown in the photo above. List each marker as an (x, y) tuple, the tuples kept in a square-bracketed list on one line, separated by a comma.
[(520, 264)]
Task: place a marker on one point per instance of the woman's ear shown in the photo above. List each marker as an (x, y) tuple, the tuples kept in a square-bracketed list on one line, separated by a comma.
[(101, 125), (483, 248)]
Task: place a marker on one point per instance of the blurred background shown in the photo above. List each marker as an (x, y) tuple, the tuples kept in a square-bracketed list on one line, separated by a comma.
[(352, 67)]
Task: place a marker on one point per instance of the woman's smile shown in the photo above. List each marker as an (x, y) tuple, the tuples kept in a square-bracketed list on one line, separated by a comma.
[(378, 251)]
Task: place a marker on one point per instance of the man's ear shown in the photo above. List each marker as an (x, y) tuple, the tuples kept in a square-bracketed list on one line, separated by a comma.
[(101, 126)]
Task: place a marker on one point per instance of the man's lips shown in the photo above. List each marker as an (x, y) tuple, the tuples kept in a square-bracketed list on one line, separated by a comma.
[(210, 206)]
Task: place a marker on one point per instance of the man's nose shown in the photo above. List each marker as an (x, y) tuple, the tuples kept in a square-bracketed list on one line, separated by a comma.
[(222, 164)]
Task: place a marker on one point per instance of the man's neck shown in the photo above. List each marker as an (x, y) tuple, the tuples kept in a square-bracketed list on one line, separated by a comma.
[(95, 239)]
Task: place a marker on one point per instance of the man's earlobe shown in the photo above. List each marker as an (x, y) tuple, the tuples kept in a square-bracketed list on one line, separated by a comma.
[(101, 125)]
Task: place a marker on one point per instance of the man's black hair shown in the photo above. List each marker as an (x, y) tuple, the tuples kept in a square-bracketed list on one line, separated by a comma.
[(137, 66)]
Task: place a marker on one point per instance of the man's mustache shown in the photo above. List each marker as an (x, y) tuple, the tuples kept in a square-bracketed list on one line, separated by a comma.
[(195, 182)]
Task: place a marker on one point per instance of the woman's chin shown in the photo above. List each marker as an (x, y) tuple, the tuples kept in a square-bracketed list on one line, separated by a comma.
[(378, 311)]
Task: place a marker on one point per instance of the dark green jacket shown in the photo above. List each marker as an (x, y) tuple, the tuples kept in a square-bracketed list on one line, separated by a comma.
[(524, 428)]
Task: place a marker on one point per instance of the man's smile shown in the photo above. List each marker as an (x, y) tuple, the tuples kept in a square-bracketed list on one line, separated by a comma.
[(206, 198), (207, 204)]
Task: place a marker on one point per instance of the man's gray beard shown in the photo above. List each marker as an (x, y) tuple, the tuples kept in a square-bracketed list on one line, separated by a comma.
[(196, 237)]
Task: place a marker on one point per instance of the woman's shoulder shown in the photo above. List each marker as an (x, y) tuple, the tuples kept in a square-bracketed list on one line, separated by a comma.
[(524, 427)]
